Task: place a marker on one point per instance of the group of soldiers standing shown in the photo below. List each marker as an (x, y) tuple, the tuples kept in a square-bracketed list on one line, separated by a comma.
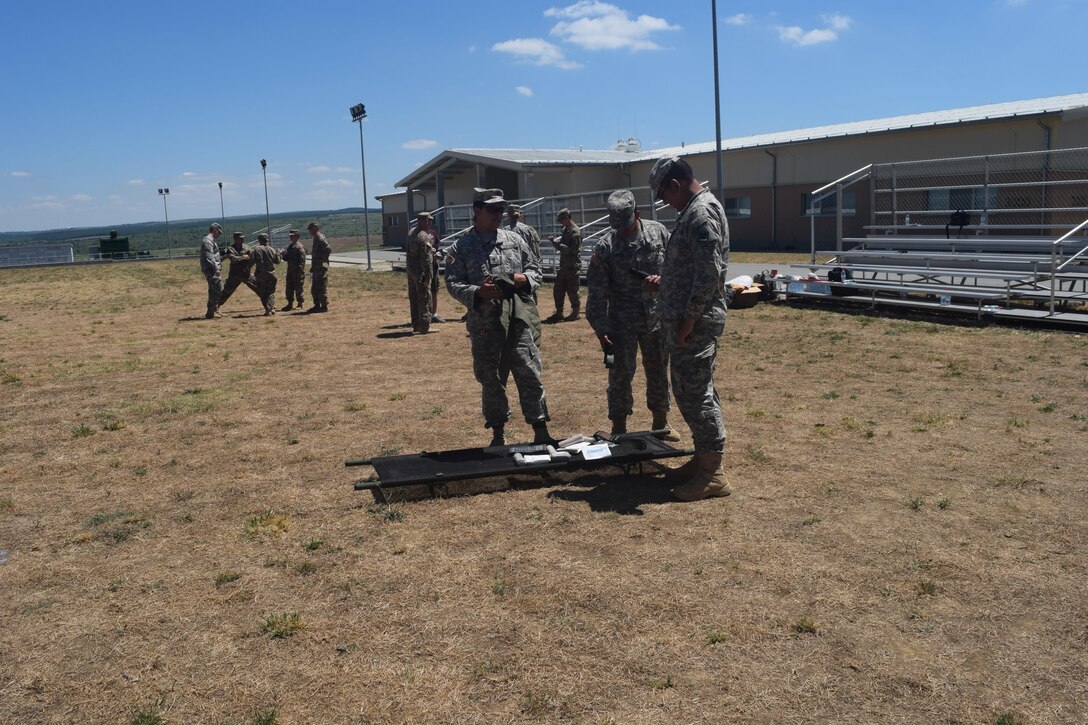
[(661, 293), (255, 267)]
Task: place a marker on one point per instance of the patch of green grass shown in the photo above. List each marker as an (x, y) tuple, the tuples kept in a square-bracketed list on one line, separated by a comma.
[(398, 396), (926, 587), (756, 413), (113, 424), (9, 379), (499, 588), (264, 716), (1009, 718), (385, 512), (811, 520), (944, 503), (7, 504), (269, 523), (82, 431), (305, 568), (756, 453), (226, 577), (281, 626), (146, 716), (831, 395), (115, 585), (955, 368), (140, 471), (664, 683), (1014, 422), (354, 407), (915, 502), (714, 637), (804, 625), (435, 412), (313, 545), (1048, 408)]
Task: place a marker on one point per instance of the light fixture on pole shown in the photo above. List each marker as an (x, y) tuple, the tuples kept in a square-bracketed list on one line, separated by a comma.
[(164, 193), (358, 113), (267, 216), (222, 209)]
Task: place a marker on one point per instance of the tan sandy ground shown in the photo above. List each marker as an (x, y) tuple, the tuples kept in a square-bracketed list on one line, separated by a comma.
[(906, 541)]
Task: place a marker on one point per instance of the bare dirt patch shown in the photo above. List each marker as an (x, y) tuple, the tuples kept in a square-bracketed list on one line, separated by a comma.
[(905, 543)]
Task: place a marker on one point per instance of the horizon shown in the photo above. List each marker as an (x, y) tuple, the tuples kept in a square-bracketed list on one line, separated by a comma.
[(164, 103)]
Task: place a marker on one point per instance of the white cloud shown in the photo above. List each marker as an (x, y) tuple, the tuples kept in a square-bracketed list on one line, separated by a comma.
[(322, 169), (334, 182), (80, 197), (595, 25), (20, 173), (189, 173), (739, 19), (524, 90), (472, 49), (419, 144), (537, 52), (136, 182), (800, 37)]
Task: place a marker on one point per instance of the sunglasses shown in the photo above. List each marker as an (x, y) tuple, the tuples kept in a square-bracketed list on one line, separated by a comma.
[(494, 208)]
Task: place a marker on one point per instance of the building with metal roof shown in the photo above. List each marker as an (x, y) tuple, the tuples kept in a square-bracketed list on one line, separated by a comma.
[(767, 176)]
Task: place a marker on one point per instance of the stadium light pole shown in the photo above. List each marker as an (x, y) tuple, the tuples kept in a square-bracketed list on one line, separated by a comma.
[(358, 113), (267, 215), (222, 209), (165, 193), (717, 103)]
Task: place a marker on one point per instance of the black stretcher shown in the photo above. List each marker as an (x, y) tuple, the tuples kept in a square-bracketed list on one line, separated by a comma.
[(439, 467)]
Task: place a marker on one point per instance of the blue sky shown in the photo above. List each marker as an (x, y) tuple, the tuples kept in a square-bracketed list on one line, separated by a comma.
[(107, 102)]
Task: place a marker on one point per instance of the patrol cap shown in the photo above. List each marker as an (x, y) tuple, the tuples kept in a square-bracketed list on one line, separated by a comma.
[(659, 171), (513, 210), (215, 228), (313, 225), (262, 237), (621, 209), (562, 213), (293, 231), (423, 215), (487, 196), (239, 235)]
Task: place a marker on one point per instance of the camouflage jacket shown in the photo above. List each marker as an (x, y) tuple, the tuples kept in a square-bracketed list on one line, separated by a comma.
[(241, 260), (210, 261), (570, 248), (295, 256), (617, 299), (693, 275), (419, 254), (472, 259), (530, 235), (319, 257), (265, 259)]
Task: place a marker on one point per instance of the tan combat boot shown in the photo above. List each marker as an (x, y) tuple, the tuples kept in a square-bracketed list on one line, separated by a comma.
[(708, 481), (661, 423)]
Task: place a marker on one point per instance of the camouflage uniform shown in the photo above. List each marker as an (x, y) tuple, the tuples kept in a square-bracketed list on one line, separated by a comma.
[(529, 234), (241, 271), (420, 268), (295, 256), (619, 306), (211, 266), (265, 259), (693, 287), (570, 268), (319, 268), (496, 351)]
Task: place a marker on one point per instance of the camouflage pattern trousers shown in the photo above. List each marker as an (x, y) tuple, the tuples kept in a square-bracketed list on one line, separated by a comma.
[(625, 346), (233, 282), (419, 299), (566, 285), (296, 285), (494, 356), (319, 287), (692, 372), (215, 289), (266, 289)]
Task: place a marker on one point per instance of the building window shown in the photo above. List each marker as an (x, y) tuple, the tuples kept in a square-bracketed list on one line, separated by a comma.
[(738, 207), (826, 206), (949, 200), (394, 221)]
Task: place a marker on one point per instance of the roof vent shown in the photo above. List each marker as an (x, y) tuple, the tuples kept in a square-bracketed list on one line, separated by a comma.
[(633, 146), (621, 145)]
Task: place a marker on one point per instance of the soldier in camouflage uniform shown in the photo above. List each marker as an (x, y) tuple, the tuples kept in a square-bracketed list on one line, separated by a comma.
[(210, 265), (526, 232), (567, 280), (295, 256), (692, 309), (319, 268), (623, 312), (419, 258), (240, 256), (265, 259), (493, 273)]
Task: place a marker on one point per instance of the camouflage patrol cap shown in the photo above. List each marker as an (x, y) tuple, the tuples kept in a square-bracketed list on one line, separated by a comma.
[(563, 213), (239, 235), (513, 210), (423, 215), (262, 237), (293, 231), (487, 196), (621, 209), (313, 225), (658, 173), (215, 228)]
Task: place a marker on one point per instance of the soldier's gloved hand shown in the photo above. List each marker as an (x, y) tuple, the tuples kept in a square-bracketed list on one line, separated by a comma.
[(606, 343)]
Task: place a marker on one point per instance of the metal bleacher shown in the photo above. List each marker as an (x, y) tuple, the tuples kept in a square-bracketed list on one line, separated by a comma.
[(994, 237)]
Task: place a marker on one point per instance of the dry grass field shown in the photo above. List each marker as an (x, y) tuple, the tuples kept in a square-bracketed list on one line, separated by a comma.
[(181, 542)]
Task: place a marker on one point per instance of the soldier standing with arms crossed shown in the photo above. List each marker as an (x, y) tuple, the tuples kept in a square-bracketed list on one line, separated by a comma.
[(265, 259), (623, 312), (319, 268), (691, 306), (295, 256), (570, 266), (419, 257), (210, 265), (493, 273)]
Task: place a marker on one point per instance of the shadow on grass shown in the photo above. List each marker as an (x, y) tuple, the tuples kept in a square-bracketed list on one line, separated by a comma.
[(393, 335), (397, 327)]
